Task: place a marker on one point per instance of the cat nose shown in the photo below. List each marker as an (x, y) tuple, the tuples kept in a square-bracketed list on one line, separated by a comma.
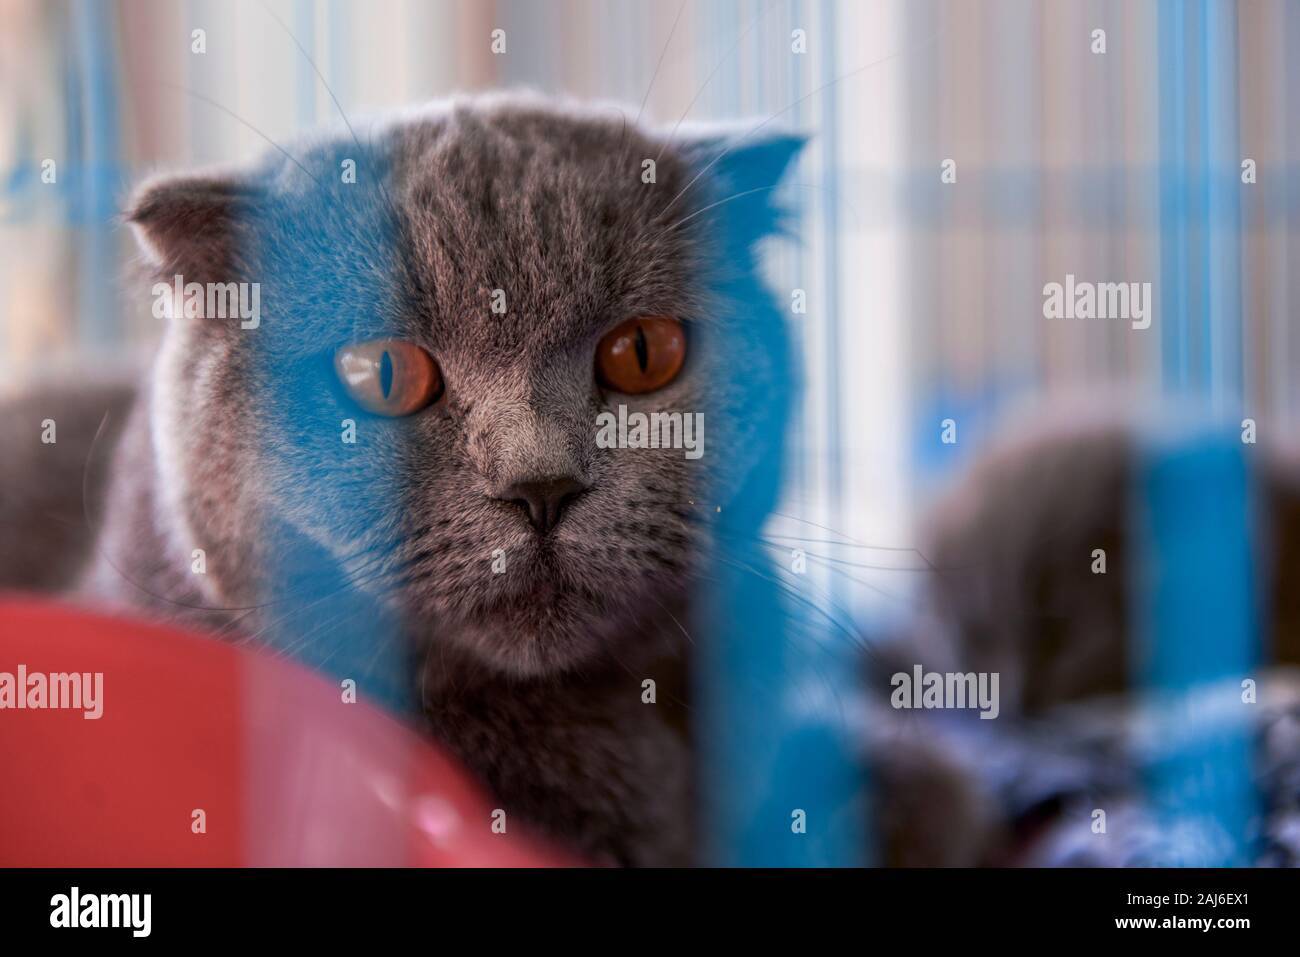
[(543, 499)]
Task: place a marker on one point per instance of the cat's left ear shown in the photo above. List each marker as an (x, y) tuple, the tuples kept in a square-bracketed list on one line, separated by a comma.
[(745, 170)]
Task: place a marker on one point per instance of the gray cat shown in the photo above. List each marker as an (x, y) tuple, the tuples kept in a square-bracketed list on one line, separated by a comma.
[(463, 294), (1011, 590), (400, 448)]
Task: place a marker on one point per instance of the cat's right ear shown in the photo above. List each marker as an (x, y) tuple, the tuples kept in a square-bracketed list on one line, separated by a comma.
[(190, 224)]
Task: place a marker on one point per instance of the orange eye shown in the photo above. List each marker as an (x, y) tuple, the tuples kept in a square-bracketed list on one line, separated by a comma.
[(388, 376), (641, 355)]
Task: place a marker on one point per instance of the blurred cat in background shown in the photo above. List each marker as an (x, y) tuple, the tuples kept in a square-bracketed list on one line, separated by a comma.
[(1012, 590)]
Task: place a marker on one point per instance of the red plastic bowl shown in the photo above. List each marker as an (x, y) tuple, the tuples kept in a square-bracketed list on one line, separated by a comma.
[(284, 772)]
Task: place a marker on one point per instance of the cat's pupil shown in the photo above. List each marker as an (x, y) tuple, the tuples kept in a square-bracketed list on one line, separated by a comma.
[(386, 374), (642, 349)]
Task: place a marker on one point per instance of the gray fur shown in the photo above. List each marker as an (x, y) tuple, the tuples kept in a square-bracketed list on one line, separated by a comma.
[(42, 485), (533, 677)]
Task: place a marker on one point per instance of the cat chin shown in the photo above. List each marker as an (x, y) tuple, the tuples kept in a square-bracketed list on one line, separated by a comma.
[(528, 639), (526, 652)]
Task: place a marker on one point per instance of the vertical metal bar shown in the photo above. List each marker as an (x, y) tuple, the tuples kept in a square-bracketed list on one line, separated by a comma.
[(1223, 206), (1174, 310), (97, 175), (780, 780), (1197, 625), (828, 134), (1194, 602)]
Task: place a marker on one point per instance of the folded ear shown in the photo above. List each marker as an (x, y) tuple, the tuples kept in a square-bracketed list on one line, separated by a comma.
[(758, 161), (191, 224), (744, 170)]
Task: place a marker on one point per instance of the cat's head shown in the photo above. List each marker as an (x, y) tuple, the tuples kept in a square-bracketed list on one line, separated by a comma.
[(446, 307)]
